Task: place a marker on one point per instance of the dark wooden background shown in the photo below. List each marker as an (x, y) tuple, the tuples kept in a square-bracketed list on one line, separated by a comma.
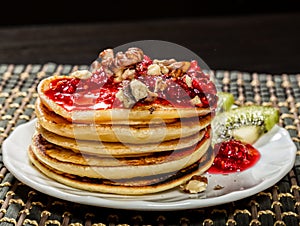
[(231, 35)]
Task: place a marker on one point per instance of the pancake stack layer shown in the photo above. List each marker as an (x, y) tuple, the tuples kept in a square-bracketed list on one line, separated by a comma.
[(132, 126)]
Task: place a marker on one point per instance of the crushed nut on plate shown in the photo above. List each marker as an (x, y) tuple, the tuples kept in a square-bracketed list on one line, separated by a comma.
[(196, 184)]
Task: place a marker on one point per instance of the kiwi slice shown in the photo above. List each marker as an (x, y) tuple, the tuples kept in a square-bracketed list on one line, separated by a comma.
[(245, 123), (225, 101)]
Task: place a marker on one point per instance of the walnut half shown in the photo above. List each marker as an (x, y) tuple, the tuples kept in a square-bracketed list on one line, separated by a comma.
[(115, 64)]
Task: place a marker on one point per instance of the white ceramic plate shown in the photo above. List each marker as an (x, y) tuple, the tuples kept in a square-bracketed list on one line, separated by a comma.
[(277, 158)]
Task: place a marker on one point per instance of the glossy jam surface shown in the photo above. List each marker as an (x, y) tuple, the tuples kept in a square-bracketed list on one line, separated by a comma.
[(76, 94), (99, 91), (234, 156)]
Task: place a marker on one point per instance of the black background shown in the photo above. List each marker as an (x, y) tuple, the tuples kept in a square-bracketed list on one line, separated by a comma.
[(65, 11)]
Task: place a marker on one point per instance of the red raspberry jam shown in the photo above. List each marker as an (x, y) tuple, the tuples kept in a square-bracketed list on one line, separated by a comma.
[(99, 91), (233, 156), (142, 67)]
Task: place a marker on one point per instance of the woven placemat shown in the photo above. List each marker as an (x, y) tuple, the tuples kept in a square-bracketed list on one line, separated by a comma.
[(278, 205)]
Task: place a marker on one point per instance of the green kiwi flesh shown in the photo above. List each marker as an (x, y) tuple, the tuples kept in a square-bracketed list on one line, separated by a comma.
[(245, 123)]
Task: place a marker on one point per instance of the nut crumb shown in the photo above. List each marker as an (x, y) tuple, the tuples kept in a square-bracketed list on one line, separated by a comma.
[(196, 184), (188, 80), (218, 187), (81, 74), (196, 100)]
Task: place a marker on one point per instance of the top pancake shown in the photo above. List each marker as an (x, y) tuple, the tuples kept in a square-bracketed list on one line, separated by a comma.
[(136, 113), (130, 87)]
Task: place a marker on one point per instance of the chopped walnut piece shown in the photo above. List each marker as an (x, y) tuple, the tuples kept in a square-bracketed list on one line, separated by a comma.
[(122, 75), (164, 62), (138, 89), (131, 56), (120, 95), (164, 69), (153, 69), (196, 100), (126, 99), (195, 185), (173, 67), (176, 73), (106, 54), (95, 65), (128, 74), (107, 65), (182, 65), (81, 74), (178, 69), (134, 55), (134, 91), (188, 81), (218, 187), (160, 85), (118, 77), (125, 96), (115, 65)]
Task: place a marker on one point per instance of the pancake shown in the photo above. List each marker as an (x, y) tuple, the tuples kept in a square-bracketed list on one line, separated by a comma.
[(94, 166), (137, 113), (135, 186), (118, 148), (137, 134)]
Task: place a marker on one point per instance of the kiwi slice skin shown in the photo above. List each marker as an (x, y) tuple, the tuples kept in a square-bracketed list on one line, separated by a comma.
[(226, 123)]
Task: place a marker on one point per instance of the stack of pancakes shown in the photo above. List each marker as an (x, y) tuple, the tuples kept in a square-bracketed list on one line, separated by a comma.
[(140, 149)]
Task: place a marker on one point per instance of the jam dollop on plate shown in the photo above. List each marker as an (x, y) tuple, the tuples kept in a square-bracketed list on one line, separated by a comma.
[(234, 156)]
